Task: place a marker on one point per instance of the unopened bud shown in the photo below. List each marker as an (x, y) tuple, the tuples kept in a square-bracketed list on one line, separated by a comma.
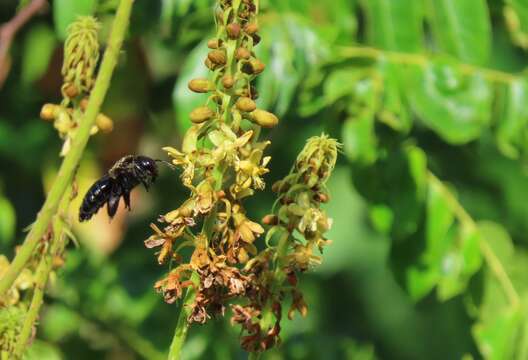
[(251, 29), (70, 91), (233, 30), (213, 44), (228, 81), (104, 123), (257, 66), (270, 220), (217, 57), (242, 53), (209, 64), (200, 85), (201, 114), (246, 104), (264, 118), (83, 104), (49, 112)]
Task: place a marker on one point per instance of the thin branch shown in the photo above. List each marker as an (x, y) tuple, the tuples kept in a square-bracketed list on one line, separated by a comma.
[(9, 30), (491, 258), (422, 60), (71, 161)]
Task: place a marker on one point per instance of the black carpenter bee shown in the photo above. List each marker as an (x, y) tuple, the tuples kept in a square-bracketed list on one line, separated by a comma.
[(126, 174)]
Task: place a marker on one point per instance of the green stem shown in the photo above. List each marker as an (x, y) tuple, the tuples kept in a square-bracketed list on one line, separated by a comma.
[(267, 319), (182, 326), (71, 161), (44, 268), (489, 255), (422, 60)]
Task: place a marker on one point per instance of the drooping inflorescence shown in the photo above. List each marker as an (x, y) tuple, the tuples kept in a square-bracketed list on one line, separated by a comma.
[(81, 55), (222, 162)]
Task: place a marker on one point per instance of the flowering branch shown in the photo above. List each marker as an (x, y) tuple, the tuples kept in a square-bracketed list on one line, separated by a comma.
[(71, 160)]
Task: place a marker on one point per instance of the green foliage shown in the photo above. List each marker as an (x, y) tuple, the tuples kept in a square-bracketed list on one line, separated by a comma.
[(429, 198)]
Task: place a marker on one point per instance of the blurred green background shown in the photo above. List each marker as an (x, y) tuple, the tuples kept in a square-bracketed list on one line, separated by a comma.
[(409, 87)]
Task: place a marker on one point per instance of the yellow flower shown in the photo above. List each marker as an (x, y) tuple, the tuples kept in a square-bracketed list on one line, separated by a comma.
[(249, 171), (227, 143)]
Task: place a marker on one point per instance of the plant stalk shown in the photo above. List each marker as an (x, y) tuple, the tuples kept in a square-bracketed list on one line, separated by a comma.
[(44, 268), (71, 161)]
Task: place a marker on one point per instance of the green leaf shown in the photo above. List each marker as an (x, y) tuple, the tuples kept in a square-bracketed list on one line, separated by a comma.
[(456, 106), (290, 48), (394, 108), (394, 24), (38, 48), (66, 11), (185, 100), (40, 350), (512, 134), (516, 14), (461, 28), (359, 139), (7, 221)]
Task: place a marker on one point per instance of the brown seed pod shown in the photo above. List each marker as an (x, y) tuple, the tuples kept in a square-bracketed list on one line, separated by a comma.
[(201, 114), (242, 53), (251, 28), (264, 118), (83, 104), (246, 104), (228, 81), (217, 57), (233, 30), (49, 112), (200, 85)]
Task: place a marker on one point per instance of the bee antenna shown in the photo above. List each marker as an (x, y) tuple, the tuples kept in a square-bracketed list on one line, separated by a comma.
[(166, 163)]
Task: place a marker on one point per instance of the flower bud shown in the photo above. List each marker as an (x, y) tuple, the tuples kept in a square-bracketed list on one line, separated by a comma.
[(200, 85), (104, 123), (201, 114), (251, 29), (83, 104), (246, 104), (233, 30), (213, 44), (264, 118), (209, 64), (217, 57), (49, 112), (70, 90), (270, 219), (228, 81), (242, 53), (257, 66)]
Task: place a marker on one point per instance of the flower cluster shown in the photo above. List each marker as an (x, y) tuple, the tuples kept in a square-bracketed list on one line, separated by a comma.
[(81, 54), (209, 240), (299, 224), (222, 162), (13, 308)]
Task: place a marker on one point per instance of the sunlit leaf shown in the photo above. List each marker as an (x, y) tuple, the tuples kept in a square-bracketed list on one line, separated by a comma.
[(516, 14), (394, 24), (512, 134), (456, 106), (461, 28)]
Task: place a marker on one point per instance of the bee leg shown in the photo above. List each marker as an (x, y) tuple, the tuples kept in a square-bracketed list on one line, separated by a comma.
[(113, 204), (126, 197)]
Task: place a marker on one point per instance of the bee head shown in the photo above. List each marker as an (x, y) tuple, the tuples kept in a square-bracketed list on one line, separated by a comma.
[(147, 164)]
